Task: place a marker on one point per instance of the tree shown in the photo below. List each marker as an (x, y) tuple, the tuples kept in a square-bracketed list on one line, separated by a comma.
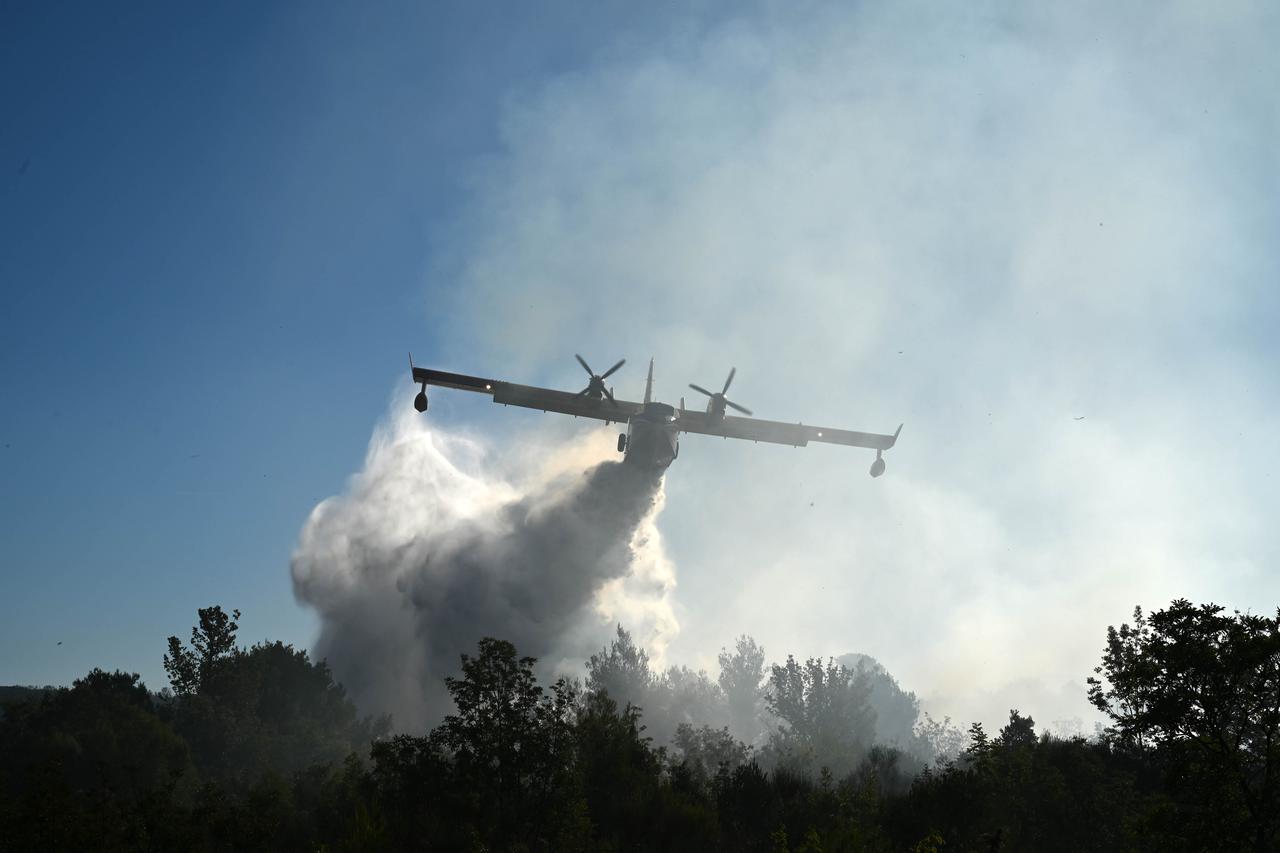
[(897, 711), (941, 742), (741, 677), (827, 721), (682, 696), (617, 768), (1020, 791), (90, 767), (1201, 688), (622, 671), (268, 707), (510, 743), (1019, 731), (707, 753), (212, 642)]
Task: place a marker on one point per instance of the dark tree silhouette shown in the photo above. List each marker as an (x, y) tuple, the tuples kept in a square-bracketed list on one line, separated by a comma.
[(1201, 688), (90, 767), (247, 711), (510, 743), (212, 641), (258, 749)]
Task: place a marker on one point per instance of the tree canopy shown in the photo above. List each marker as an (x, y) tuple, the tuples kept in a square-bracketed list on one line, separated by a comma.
[(1200, 687), (259, 749), (827, 720)]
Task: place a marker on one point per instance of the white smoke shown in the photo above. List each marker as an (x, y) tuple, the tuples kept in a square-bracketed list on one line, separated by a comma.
[(1042, 235), (437, 543)]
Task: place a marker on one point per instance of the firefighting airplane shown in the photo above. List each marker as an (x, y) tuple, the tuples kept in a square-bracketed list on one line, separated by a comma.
[(652, 439)]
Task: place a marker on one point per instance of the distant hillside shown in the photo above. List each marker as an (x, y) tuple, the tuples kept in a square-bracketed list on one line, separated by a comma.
[(14, 693)]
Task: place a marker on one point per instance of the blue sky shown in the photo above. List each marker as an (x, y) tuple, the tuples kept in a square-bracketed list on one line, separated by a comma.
[(225, 225), (218, 223)]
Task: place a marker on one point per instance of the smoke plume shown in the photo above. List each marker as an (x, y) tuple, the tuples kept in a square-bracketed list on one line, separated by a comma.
[(424, 555)]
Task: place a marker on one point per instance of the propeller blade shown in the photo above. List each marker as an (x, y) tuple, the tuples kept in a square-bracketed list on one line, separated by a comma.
[(584, 364), (609, 394), (729, 381), (742, 409), (621, 362), (701, 390), (583, 391)]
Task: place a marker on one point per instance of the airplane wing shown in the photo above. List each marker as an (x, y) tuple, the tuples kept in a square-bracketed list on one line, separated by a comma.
[(777, 432), (530, 397)]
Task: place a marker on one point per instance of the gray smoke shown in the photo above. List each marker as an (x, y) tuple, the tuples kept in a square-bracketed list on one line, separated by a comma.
[(425, 554)]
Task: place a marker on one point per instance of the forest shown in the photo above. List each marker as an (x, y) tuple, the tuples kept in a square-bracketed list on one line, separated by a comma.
[(258, 748)]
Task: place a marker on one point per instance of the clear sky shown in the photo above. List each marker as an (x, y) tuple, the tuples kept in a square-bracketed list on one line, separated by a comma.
[(218, 220), (225, 224)]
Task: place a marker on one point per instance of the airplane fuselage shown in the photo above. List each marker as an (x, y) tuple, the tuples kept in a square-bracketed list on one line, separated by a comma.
[(653, 441)]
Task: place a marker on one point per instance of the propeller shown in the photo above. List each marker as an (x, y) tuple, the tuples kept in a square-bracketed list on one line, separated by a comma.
[(596, 387), (718, 399)]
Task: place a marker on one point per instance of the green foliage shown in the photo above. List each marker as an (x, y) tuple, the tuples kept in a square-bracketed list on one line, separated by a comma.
[(622, 671), (1018, 791), (16, 695), (259, 749), (682, 696), (508, 742), (741, 679), (707, 754), (827, 721), (939, 741), (212, 643), (618, 769), (92, 766), (1200, 689), (896, 711), (245, 712)]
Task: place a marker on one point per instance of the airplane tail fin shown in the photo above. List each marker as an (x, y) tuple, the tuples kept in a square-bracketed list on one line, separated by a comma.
[(648, 384)]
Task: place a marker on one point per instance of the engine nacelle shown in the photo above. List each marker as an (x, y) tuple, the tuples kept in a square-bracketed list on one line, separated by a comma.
[(420, 401)]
